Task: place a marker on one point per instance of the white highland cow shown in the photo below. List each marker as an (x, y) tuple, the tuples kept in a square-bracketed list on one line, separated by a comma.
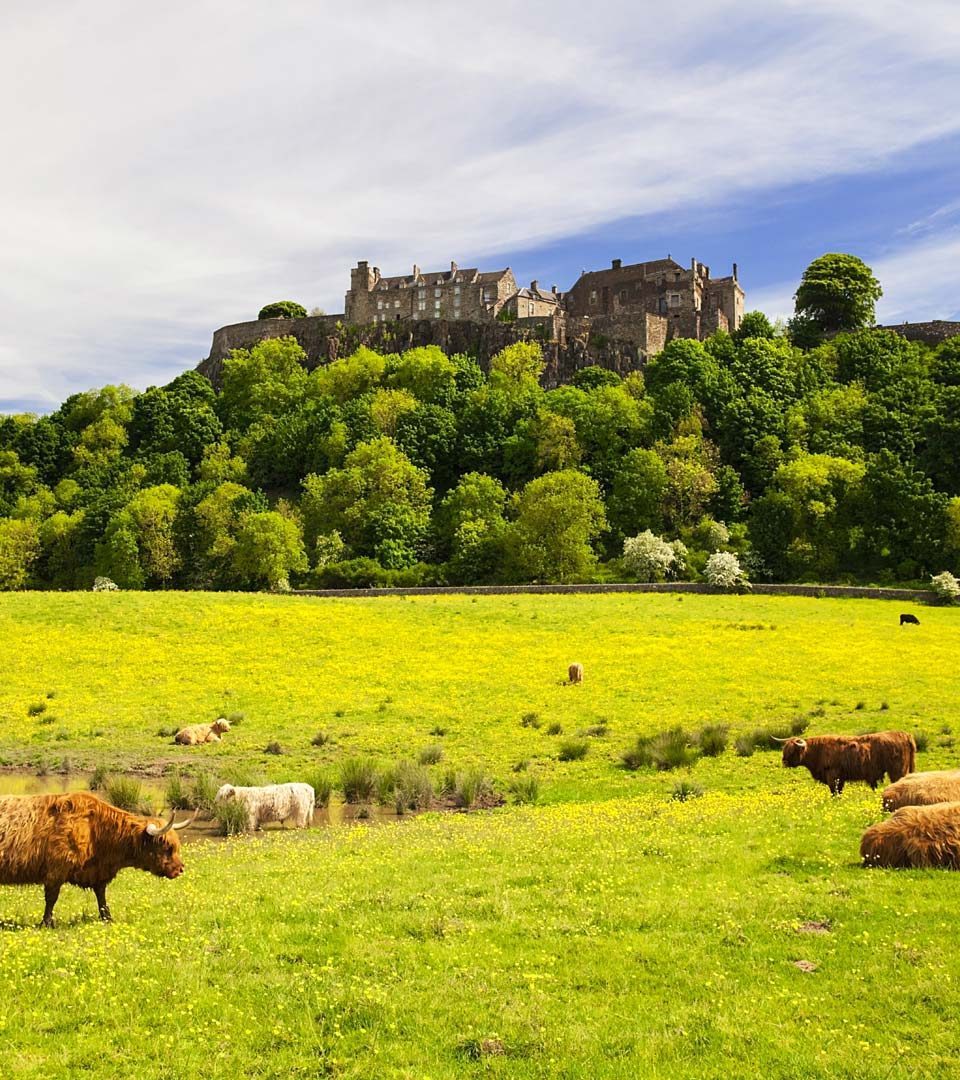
[(285, 803)]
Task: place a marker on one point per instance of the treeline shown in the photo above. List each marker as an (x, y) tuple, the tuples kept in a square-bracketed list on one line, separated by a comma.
[(837, 462)]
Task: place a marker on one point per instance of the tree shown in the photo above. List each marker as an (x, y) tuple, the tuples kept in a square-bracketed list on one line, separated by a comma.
[(636, 498), (837, 292), (283, 309), (138, 545), (19, 547), (754, 324), (267, 380), (559, 515), (477, 498), (269, 547), (378, 501)]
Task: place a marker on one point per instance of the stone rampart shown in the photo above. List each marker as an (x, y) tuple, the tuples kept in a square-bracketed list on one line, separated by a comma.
[(324, 338), (930, 333)]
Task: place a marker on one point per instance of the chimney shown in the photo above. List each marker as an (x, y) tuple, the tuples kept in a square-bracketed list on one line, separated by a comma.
[(533, 285), (453, 268), (361, 266), (416, 271), (734, 271), (553, 289), (617, 263), (693, 267), (376, 273)]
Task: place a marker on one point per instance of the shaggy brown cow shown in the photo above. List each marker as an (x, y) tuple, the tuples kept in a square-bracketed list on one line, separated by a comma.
[(575, 673), (78, 839), (836, 760), (202, 733), (915, 836), (923, 789)]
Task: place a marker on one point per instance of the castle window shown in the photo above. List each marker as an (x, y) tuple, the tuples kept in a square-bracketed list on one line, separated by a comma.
[(421, 305), (421, 292), (436, 292), (396, 303), (623, 296), (674, 299), (379, 304), (456, 290), (529, 309), (662, 305), (593, 296)]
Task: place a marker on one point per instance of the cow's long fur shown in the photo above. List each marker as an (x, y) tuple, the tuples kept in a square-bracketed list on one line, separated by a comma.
[(836, 760), (196, 734), (275, 802), (78, 839), (915, 836), (923, 789)]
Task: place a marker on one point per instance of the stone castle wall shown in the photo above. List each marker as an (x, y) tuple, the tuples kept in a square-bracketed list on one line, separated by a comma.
[(568, 344), (930, 333)]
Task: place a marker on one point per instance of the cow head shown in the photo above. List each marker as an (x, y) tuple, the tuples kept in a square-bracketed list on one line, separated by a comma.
[(226, 793), (219, 726), (793, 751), (161, 847)]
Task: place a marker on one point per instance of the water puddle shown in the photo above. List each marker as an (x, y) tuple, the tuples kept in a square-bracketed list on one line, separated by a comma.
[(204, 828)]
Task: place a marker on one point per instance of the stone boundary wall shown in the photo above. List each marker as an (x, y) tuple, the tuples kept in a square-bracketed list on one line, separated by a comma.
[(930, 333), (844, 591)]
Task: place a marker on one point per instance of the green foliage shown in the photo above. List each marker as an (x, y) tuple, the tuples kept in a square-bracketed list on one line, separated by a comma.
[(673, 749), (127, 794), (283, 309), (573, 750), (323, 787), (359, 779), (838, 292), (558, 517), (712, 739), (525, 790), (430, 755), (232, 817)]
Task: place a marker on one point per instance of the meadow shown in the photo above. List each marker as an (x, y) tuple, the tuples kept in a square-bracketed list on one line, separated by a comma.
[(609, 931)]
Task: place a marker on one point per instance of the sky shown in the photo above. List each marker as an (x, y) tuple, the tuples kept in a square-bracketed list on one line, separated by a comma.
[(170, 168)]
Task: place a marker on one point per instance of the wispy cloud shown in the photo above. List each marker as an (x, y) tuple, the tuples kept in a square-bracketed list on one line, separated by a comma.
[(163, 182)]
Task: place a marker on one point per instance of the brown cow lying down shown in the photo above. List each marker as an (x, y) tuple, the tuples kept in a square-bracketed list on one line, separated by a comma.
[(923, 789), (915, 836), (78, 839), (202, 733), (836, 760)]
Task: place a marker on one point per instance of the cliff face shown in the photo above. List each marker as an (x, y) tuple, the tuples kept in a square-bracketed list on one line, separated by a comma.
[(325, 337)]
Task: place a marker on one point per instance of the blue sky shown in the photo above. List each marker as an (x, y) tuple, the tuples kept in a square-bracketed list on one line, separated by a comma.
[(172, 169)]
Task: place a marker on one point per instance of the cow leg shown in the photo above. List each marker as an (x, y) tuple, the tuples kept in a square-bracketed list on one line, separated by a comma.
[(838, 786), (100, 892), (50, 895)]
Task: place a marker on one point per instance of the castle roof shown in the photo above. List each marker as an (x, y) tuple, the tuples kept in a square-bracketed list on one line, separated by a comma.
[(460, 275), (647, 269)]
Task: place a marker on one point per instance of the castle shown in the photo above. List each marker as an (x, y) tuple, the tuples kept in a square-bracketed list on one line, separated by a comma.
[(646, 303), (618, 317)]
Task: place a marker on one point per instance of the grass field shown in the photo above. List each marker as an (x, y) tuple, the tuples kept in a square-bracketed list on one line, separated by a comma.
[(611, 932)]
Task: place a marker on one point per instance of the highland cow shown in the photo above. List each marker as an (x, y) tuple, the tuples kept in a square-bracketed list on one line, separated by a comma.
[(915, 836), (275, 802), (923, 789), (910, 620), (78, 839), (575, 673), (202, 733), (836, 760)]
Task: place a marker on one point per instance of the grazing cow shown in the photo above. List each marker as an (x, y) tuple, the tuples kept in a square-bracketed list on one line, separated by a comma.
[(912, 620), (836, 760), (575, 673), (915, 836), (275, 802), (202, 733), (923, 789), (78, 839)]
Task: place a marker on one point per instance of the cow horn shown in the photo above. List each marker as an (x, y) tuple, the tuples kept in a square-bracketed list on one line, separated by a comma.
[(187, 824), (155, 830), (802, 743), (775, 739)]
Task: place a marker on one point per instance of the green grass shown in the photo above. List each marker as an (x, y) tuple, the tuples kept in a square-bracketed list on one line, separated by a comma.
[(609, 931)]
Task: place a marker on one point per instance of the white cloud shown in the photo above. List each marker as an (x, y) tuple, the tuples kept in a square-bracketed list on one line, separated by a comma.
[(171, 169)]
